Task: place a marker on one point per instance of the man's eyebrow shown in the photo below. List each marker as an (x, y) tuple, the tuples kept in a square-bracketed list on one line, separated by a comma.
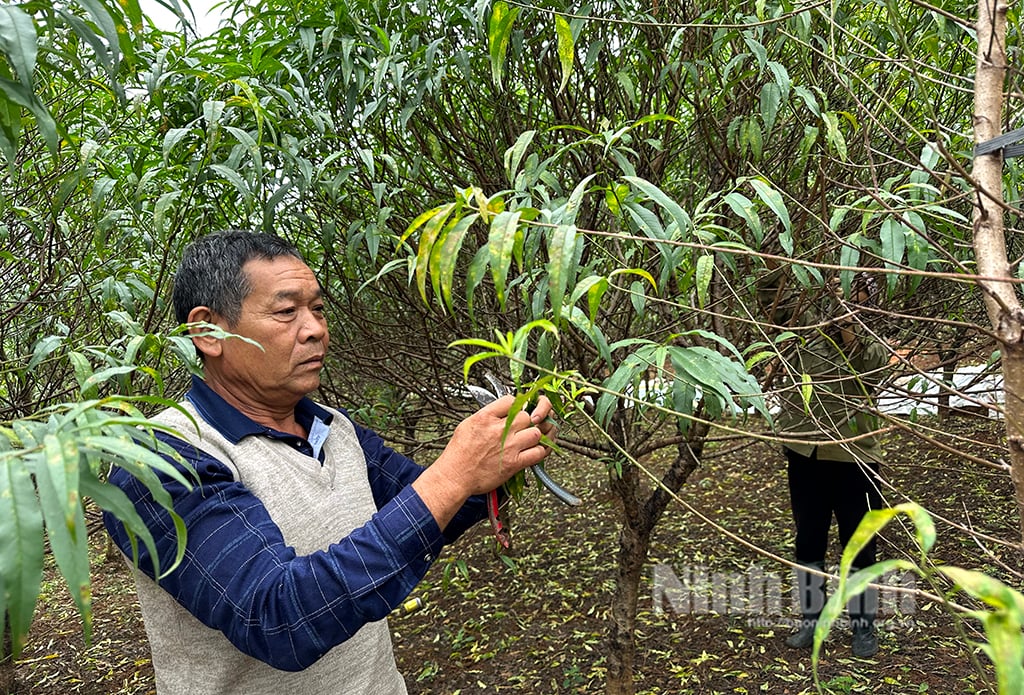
[(283, 295)]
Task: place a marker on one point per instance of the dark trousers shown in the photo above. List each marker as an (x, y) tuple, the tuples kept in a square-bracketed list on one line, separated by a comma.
[(820, 489)]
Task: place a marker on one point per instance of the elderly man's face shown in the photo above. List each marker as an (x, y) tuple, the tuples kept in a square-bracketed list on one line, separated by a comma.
[(284, 313)]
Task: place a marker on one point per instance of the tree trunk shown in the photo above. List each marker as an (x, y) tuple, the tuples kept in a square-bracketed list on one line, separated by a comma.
[(642, 508), (1013, 378), (948, 372), (634, 542), (996, 280), (8, 682)]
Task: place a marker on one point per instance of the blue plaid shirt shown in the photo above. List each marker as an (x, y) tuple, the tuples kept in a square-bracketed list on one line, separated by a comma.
[(330, 594)]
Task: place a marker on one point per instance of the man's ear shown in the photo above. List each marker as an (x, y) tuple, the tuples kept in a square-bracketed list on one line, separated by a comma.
[(207, 345)]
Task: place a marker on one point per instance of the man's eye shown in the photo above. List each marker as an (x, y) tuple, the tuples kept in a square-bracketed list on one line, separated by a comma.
[(286, 312)]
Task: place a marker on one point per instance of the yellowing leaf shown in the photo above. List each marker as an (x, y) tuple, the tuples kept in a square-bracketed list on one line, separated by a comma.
[(566, 49)]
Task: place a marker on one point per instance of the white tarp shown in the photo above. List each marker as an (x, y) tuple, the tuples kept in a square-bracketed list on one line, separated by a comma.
[(919, 393)]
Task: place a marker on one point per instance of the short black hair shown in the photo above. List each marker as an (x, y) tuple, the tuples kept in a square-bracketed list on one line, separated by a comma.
[(210, 273)]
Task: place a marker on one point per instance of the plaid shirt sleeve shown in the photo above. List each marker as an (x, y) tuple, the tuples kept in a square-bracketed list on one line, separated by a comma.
[(390, 472), (283, 609)]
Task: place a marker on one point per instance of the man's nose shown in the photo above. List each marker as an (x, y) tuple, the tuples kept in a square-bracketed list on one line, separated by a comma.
[(314, 327)]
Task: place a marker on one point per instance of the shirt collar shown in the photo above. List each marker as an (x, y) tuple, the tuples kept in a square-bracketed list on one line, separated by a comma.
[(234, 425)]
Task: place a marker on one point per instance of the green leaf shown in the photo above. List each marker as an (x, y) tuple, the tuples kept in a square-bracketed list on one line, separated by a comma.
[(613, 197), (21, 548), (140, 461), (593, 333), (876, 519), (682, 220), (594, 287), (1002, 624), (594, 296), (744, 208), (986, 588), (838, 217), (446, 253), (43, 349), (131, 326), (566, 49), (757, 48), (615, 385), (435, 224), (501, 243), (771, 96), (109, 373), (163, 203), (561, 265), (420, 220), (61, 465), (568, 212), (83, 371), (475, 275), (639, 272), (57, 481), (252, 148), (648, 223), (705, 271), (808, 276), (235, 179), (773, 199), (638, 297), (514, 155), (919, 252), (98, 42), (758, 358), (26, 432), (714, 338), (101, 191), (105, 21), (806, 391), (849, 256), (782, 79), (114, 500), (18, 93), (716, 374), (171, 139), (499, 31), (18, 42), (684, 398), (809, 99), (833, 135), (134, 12), (10, 129), (520, 345), (213, 111), (858, 582), (894, 243), (752, 138)]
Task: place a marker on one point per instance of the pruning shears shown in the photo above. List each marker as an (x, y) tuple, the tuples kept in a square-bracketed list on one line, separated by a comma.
[(485, 396)]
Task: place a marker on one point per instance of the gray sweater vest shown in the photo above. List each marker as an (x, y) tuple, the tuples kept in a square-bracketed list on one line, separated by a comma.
[(314, 506)]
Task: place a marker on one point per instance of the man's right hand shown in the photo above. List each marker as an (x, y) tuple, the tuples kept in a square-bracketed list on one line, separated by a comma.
[(483, 453)]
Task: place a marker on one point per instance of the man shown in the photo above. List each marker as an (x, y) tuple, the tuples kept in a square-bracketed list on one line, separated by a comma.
[(833, 458), (304, 529)]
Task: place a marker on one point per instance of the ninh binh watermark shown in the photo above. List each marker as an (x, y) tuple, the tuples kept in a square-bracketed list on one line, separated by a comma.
[(764, 598)]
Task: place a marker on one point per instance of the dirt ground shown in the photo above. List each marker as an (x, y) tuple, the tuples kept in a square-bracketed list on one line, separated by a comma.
[(536, 620)]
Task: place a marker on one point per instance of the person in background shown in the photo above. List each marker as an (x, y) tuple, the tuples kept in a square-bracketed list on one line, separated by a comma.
[(304, 530), (833, 458)]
